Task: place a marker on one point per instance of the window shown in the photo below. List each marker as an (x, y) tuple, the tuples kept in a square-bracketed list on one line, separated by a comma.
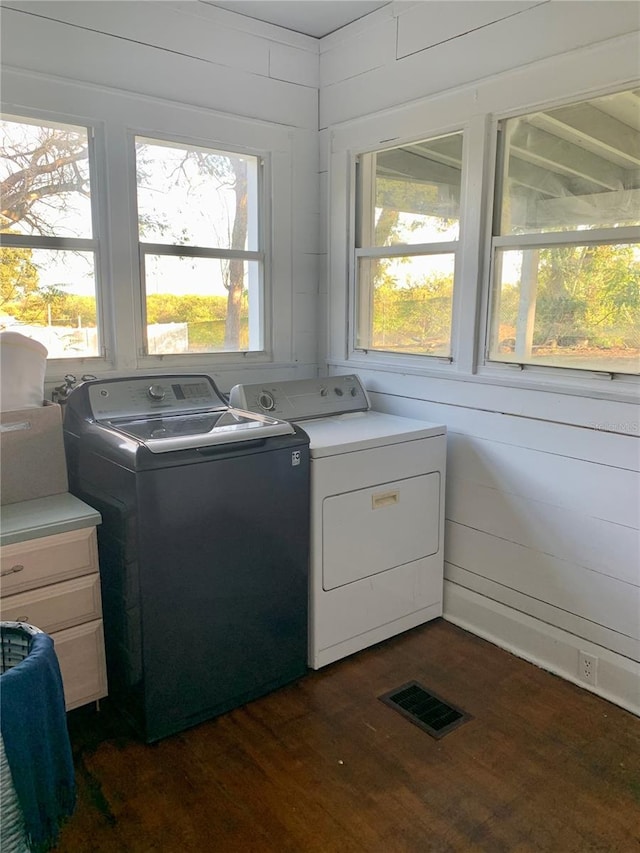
[(200, 249), (566, 247), (408, 212), (48, 254)]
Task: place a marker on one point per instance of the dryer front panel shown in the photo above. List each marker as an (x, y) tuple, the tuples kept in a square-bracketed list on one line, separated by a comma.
[(368, 531)]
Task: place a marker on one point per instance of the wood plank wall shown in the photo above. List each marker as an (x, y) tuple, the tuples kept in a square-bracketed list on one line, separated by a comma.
[(542, 515), (121, 64), (543, 487)]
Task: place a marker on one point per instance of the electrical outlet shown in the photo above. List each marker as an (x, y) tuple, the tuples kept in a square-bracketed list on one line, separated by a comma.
[(587, 667)]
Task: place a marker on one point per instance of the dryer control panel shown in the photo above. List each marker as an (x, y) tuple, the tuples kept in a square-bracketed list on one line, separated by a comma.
[(303, 399)]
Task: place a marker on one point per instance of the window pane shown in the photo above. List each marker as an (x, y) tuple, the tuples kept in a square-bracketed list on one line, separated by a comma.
[(50, 295), (572, 168), (202, 305), (405, 304), (44, 179), (196, 196), (416, 193), (568, 306)]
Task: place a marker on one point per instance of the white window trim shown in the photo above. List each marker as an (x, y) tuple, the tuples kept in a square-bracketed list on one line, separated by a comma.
[(262, 255), (470, 328), (161, 361), (368, 357), (96, 244), (116, 117), (599, 384)]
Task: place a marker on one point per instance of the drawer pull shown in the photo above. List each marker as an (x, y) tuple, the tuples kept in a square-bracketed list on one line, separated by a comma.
[(15, 426), (383, 499), (13, 570)]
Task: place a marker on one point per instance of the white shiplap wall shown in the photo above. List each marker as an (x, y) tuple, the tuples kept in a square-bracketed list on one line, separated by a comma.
[(543, 481), (165, 66), (542, 506)]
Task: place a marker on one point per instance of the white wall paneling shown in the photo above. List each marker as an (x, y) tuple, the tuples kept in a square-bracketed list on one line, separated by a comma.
[(540, 577), (183, 71), (544, 644), (545, 30), (425, 25), (543, 472), (543, 521), (542, 496)]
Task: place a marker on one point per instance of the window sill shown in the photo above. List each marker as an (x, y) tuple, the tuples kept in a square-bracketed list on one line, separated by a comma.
[(555, 381)]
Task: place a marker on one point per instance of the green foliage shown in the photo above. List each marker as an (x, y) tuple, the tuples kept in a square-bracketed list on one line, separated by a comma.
[(588, 293), (205, 316), (413, 318), (190, 308), (18, 276)]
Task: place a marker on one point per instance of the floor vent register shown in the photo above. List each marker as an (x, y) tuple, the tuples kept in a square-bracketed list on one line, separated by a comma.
[(425, 709)]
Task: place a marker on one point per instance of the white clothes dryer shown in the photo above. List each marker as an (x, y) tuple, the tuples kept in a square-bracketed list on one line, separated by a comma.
[(377, 512)]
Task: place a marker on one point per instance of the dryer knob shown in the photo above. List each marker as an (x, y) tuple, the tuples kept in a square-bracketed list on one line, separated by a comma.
[(266, 401), (156, 392)]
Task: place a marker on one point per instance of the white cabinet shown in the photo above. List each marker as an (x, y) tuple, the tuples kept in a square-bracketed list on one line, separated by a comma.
[(50, 578)]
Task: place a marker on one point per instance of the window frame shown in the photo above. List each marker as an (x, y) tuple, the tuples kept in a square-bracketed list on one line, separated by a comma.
[(540, 376), (116, 118), (476, 109), (400, 250), (96, 244), (261, 255)]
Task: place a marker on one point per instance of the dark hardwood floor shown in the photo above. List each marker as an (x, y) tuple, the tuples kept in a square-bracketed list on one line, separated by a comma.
[(322, 765)]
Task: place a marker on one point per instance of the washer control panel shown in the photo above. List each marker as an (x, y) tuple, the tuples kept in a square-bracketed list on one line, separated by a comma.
[(147, 395), (303, 399)]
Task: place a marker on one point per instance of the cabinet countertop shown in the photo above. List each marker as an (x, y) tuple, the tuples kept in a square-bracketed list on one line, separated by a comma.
[(35, 519)]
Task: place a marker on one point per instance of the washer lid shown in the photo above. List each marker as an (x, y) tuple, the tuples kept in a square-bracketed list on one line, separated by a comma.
[(363, 430), (163, 434), (167, 412)]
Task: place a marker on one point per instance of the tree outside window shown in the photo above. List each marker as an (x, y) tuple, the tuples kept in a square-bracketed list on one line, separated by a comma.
[(202, 266), (566, 247), (48, 250), (408, 211)]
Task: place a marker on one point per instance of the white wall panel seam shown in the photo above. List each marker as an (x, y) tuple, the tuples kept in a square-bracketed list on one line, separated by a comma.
[(526, 596), (544, 613), (633, 584)]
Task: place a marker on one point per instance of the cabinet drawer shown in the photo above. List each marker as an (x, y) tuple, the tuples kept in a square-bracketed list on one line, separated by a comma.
[(80, 652), (56, 606), (27, 565)]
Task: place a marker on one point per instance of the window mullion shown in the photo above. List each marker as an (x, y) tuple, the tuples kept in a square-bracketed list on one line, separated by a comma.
[(177, 250), (568, 238), (468, 259), (37, 241), (405, 250)]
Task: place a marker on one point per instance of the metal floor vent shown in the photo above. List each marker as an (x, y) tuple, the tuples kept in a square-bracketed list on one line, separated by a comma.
[(425, 709)]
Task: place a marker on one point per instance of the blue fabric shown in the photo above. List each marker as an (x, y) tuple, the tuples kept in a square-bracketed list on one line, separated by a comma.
[(36, 740)]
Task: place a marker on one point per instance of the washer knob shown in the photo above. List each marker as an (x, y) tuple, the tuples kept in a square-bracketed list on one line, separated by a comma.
[(266, 401), (156, 392), (339, 392)]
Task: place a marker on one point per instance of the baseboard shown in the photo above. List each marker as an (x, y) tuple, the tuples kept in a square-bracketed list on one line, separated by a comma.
[(618, 678)]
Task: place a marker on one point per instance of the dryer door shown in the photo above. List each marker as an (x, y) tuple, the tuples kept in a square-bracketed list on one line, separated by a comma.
[(371, 530)]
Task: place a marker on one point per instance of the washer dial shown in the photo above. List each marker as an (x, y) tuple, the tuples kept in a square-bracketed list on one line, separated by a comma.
[(156, 392), (266, 401)]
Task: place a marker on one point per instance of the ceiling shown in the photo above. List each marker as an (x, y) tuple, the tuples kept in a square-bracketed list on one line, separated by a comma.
[(576, 166), (315, 18)]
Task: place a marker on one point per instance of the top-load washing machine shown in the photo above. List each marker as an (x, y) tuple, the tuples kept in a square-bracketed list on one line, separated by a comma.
[(377, 512), (203, 546)]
